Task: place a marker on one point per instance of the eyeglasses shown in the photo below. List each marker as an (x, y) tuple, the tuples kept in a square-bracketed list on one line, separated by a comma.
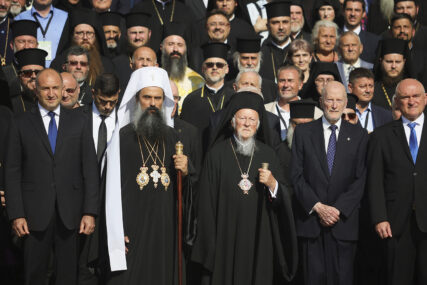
[(75, 63), (70, 90), (351, 116), (219, 24), (29, 72), (217, 64), (82, 34)]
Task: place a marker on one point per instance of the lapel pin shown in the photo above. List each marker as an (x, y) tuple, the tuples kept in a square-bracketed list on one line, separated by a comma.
[(348, 139)]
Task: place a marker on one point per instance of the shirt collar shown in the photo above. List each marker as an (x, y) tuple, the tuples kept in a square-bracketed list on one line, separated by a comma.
[(232, 17), (356, 64), (356, 31), (326, 124), (284, 46), (52, 9), (213, 89), (164, 2), (45, 112), (419, 120), (367, 109)]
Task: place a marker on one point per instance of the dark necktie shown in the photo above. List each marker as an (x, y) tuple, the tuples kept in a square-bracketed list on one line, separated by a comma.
[(332, 146), (413, 144), (52, 131), (102, 138)]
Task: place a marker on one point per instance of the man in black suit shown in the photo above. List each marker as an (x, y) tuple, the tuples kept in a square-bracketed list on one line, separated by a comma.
[(328, 175), (354, 12), (370, 115), (396, 184), (51, 182)]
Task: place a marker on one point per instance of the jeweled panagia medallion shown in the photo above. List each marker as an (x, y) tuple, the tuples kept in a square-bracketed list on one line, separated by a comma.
[(155, 174), (245, 184), (164, 178), (142, 178)]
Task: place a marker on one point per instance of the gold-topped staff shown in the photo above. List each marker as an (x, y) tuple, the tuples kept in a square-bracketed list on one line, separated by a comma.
[(179, 149)]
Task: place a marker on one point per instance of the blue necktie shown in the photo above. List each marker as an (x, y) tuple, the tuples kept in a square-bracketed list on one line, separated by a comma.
[(413, 144), (53, 131), (332, 146)]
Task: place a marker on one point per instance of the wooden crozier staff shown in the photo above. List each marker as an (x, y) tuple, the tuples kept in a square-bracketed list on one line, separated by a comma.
[(179, 149)]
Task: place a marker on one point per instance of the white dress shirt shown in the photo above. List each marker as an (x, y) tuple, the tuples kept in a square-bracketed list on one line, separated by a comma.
[(418, 127), (110, 123), (356, 31), (46, 118), (286, 115), (363, 116), (327, 131)]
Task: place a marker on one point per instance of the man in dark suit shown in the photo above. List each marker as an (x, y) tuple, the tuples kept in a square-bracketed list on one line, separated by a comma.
[(51, 182), (396, 184), (328, 175), (370, 115), (354, 12)]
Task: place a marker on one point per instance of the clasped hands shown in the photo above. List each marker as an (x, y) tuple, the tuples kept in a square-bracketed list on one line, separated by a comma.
[(328, 215)]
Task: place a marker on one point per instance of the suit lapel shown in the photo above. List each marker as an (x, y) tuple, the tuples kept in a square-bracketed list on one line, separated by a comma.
[(318, 141), (344, 138), (422, 148), (63, 126), (39, 126), (400, 133)]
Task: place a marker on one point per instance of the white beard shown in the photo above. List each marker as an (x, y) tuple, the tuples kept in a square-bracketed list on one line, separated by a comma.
[(245, 147), (387, 8)]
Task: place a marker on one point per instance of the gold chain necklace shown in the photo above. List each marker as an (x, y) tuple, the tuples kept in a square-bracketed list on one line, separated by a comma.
[(158, 13), (245, 184), (386, 94), (3, 58), (210, 102), (164, 177), (142, 178)]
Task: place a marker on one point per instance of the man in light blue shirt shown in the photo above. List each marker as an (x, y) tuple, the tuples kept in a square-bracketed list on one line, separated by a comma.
[(51, 24)]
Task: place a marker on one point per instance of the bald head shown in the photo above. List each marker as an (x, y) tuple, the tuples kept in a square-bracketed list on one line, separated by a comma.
[(143, 57), (248, 78), (49, 89), (70, 92), (333, 101), (410, 98)]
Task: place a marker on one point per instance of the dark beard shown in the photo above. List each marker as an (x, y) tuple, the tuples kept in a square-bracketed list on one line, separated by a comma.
[(174, 66), (391, 82), (151, 125)]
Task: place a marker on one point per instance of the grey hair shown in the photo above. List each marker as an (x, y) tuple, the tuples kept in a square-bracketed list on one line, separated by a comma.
[(239, 75), (350, 33), (326, 24), (251, 89), (236, 57)]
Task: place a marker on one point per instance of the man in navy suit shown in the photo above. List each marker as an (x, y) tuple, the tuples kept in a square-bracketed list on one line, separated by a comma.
[(354, 11), (350, 48), (328, 174), (396, 185), (370, 115), (51, 182)]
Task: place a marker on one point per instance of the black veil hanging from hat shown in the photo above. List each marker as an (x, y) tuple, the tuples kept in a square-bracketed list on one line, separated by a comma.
[(242, 100)]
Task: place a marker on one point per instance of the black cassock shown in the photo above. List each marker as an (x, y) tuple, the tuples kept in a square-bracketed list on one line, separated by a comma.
[(243, 238), (272, 58), (381, 98), (149, 215), (200, 104)]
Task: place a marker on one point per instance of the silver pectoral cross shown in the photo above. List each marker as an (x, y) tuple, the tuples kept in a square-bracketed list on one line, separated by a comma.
[(155, 174)]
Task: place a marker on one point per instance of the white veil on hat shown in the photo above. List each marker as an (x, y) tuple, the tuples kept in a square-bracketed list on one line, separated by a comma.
[(141, 78)]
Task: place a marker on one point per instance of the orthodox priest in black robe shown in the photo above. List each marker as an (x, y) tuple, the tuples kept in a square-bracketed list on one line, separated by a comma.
[(387, 78), (200, 104), (275, 47), (246, 233), (147, 217)]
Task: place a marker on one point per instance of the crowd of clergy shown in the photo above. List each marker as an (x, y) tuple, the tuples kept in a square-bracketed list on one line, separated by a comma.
[(213, 142)]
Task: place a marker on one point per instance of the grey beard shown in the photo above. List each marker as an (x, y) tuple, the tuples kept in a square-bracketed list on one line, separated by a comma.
[(112, 45), (245, 147), (149, 125), (175, 67), (244, 69), (15, 10), (290, 136), (298, 28), (387, 8)]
